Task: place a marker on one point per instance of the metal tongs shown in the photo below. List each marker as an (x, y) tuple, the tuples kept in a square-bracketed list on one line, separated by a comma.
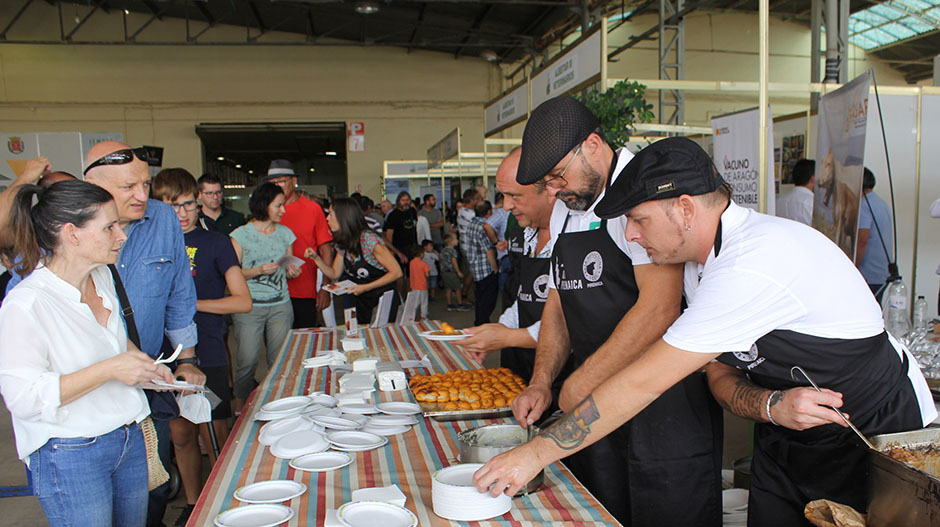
[(858, 432)]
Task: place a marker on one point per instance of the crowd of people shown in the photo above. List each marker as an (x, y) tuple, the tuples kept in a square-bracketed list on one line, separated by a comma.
[(638, 299)]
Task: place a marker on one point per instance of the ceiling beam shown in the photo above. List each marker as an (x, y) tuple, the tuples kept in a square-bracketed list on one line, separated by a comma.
[(203, 8), (648, 34), (3, 34), (414, 32), (476, 25), (257, 15), (82, 21)]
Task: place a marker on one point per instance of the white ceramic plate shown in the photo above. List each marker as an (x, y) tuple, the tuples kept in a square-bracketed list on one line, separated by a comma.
[(274, 430), (316, 409), (299, 443), (291, 404), (398, 408), (321, 461), (383, 430), (359, 419), (392, 420), (261, 415), (458, 335), (336, 423), (353, 439), (457, 475), (261, 515), (372, 513), (359, 408), (274, 491)]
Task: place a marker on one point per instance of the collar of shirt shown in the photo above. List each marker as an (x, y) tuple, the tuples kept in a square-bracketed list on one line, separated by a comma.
[(531, 237), (623, 157)]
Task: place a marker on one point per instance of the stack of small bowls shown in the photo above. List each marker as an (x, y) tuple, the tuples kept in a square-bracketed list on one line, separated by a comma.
[(454, 496)]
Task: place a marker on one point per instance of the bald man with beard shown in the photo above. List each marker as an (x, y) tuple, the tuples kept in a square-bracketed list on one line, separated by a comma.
[(154, 268)]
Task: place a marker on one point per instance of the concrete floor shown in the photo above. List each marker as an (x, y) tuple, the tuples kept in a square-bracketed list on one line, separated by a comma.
[(25, 511)]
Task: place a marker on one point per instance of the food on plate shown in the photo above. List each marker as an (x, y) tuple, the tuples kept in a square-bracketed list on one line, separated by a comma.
[(468, 389), (447, 329)]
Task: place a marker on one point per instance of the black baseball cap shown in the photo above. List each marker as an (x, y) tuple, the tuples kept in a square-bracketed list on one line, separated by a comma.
[(666, 169), (555, 127)]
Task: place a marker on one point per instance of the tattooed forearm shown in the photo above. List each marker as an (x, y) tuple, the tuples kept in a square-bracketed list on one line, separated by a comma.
[(746, 400), (570, 431)]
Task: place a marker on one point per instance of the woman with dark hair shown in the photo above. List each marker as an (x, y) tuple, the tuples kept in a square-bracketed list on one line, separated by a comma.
[(67, 370), (263, 248), (365, 259)]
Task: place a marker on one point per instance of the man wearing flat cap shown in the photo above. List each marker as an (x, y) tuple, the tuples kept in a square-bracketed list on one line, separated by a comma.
[(762, 329), (605, 306)]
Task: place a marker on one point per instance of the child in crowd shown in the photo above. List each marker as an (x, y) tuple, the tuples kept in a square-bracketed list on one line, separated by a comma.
[(431, 257), (214, 267), (451, 276), (418, 278)]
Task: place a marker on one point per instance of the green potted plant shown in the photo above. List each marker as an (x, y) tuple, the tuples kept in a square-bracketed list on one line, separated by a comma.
[(618, 108)]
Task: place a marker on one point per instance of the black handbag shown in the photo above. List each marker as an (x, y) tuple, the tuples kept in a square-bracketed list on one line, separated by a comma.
[(163, 406)]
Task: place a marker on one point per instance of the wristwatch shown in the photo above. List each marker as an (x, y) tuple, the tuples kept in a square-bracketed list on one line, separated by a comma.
[(189, 360)]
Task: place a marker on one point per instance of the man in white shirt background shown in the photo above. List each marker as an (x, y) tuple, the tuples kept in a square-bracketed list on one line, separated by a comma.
[(798, 204)]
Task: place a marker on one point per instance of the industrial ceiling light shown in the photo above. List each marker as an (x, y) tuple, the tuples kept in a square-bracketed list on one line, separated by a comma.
[(367, 7), (489, 55)]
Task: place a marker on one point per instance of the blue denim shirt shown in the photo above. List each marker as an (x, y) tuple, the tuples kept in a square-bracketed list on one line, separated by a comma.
[(155, 270)]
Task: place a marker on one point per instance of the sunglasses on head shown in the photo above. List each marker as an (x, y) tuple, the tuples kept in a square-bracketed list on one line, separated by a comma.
[(120, 157)]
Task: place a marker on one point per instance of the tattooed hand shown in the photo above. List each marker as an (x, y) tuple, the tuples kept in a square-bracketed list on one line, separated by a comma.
[(802, 408)]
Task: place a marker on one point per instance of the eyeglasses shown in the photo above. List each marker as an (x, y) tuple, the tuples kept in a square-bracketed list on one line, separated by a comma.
[(188, 206), (120, 157), (558, 182), (212, 192)]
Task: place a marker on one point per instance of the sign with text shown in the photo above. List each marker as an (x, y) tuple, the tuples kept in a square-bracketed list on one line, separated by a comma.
[(736, 144), (445, 149), (507, 110), (840, 154), (355, 137), (574, 68)]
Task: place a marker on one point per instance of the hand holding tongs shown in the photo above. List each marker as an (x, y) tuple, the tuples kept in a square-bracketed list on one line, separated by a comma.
[(795, 369)]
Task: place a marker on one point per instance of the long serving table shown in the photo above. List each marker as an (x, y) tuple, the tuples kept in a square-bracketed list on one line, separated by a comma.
[(408, 460)]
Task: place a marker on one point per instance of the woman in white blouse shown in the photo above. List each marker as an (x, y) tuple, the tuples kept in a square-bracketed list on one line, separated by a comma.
[(67, 370)]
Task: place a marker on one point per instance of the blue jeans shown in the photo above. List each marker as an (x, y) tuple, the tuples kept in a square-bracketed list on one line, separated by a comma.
[(86, 481)]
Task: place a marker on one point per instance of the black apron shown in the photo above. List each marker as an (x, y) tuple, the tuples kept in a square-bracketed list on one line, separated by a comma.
[(515, 251), (531, 295), (362, 272), (791, 468), (662, 468)]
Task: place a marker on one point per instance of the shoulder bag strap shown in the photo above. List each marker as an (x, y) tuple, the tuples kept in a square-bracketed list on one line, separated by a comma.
[(126, 310)]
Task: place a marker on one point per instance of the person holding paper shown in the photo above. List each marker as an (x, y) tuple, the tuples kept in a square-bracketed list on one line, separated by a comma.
[(259, 245), (364, 258), (68, 372)]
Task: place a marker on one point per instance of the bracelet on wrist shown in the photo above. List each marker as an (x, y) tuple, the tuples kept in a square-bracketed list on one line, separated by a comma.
[(767, 407)]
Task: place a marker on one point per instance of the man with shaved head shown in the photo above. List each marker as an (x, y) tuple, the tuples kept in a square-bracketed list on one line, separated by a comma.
[(154, 268)]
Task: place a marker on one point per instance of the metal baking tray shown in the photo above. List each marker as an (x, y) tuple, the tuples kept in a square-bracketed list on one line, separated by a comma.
[(435, 411), (900, 494)]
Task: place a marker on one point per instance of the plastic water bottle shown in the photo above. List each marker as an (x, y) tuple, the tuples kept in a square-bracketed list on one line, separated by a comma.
[(920, 314), (897, 320)]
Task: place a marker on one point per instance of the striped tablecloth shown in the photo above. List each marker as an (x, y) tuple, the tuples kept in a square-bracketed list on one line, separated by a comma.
[(408, 460)]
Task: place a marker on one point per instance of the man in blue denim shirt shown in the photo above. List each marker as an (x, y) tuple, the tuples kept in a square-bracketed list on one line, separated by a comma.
[(155, 270)]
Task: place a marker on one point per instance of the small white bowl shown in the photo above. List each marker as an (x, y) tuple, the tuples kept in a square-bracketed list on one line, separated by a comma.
[(734, 500)]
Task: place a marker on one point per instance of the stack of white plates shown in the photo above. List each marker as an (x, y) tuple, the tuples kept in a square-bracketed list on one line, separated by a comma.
[(355, 441), (335, 422), (734, 507), (398, 408), (386, 431), (359, 419), (456, 498), (375, 513), (282, 408), (296, 444), (323, 398)]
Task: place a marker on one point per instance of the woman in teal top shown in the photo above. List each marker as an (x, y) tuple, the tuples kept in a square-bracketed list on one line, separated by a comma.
[(260, 245)]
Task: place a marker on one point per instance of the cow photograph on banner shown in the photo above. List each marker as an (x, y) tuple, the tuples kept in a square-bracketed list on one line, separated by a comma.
[(840, 157)]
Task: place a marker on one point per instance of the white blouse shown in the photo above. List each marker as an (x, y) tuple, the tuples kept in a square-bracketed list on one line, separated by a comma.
[(46, 332)]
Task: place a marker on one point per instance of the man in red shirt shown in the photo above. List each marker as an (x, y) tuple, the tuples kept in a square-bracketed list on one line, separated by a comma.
[(306, 220)]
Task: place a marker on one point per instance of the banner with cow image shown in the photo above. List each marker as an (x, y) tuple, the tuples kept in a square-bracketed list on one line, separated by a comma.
[(840, 151), (736, 153)]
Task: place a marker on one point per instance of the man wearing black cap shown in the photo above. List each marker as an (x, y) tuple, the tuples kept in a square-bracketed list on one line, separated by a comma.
[(752, 307), (605, 307), (306, 220)]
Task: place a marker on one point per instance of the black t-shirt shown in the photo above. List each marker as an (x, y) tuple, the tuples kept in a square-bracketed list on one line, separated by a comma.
[(210, 255), (405, 226)]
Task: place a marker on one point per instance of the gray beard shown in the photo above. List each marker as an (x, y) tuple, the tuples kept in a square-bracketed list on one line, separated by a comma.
[(582, 200)]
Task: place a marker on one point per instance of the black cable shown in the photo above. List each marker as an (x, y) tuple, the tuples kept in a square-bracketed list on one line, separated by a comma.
[(892, 263)]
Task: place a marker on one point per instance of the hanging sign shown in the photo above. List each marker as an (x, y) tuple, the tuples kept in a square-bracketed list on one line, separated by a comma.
[(736, 144), (355, 137), (840, 153)]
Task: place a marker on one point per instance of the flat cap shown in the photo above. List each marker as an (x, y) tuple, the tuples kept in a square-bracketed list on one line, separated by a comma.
[(554, 129), (666, 169)]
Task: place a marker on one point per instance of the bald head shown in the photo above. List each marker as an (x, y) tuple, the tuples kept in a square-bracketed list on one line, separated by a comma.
[(530, 204), (128, 183), (54, 177)]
